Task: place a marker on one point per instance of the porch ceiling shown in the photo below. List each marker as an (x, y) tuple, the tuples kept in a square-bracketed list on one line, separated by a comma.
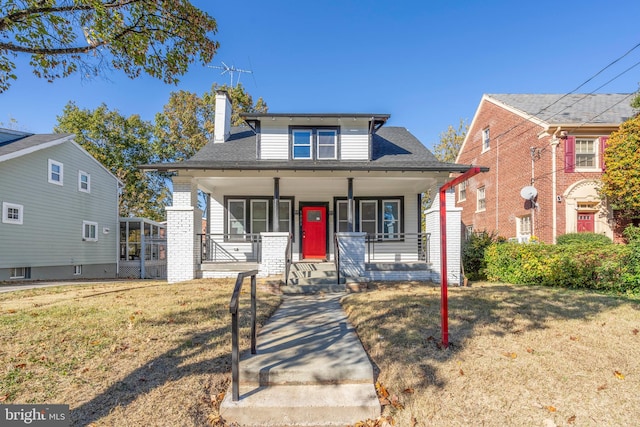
[(292, 182)]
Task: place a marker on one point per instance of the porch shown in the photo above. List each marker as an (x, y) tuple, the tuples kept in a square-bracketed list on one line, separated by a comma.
[(380, 256)]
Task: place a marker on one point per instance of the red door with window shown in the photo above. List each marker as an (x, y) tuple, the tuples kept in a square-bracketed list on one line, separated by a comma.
[(314, 232), (586, 222)]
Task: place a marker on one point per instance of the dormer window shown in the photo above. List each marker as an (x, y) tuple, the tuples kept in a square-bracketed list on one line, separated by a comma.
[(314, 143)]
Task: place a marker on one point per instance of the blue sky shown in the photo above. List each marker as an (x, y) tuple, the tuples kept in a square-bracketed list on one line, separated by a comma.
[(426, 63)]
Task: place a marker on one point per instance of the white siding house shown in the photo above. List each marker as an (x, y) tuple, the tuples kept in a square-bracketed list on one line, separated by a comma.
[(59, 210), (318, 181)]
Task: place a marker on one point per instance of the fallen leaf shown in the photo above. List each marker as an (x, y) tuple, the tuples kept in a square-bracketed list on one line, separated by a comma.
[(414, 422), (21, 365), (96, 342), (551, 409), (3, 398), (635, 331), (510, 355), (408, 390), (618, 375), (602, 387), (382, 391), (11, 311), (571, 419), (572, 338), (384, 401), (461, 372), (395, 402)]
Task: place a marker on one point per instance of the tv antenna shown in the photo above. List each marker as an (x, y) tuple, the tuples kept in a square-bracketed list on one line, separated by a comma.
[(231, 70)]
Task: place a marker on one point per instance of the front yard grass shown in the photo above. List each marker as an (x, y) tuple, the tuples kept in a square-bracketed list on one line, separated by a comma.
[(133, 353), (153, 354), (520, 356)]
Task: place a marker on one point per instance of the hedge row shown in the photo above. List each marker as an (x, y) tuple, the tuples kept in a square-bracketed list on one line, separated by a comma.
[(595, 266)]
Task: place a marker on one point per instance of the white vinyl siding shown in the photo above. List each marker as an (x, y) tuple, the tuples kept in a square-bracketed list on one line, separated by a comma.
[(354, 143), (274, 143)]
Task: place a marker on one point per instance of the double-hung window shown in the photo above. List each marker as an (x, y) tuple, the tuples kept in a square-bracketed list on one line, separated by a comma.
[(342, 216), (259, 216), (369, 216), (480, 199), (462, 191), (314, 143), (586, 153), (90, 231), (56, 172), (486, 138), (302, 139), (84, 182), (12, 213), (236, 218)]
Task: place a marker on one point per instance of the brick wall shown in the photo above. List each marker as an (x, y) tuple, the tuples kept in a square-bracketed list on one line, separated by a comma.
[(510, 161)]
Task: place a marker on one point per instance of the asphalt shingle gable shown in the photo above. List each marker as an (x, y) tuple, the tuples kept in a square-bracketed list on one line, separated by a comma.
[(573, 108)]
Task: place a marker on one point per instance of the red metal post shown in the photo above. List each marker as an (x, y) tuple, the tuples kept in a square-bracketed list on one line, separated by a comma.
[(444, 298)]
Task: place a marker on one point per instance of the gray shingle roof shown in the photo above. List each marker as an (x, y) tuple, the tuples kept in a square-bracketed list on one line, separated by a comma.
[(29, 142), (393, 148), (610, 108)]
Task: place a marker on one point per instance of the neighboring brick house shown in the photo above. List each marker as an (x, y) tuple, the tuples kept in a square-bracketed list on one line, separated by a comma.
[(553, 143)]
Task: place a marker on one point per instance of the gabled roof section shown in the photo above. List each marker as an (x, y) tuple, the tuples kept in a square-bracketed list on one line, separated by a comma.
[(393, 148), (29, 143), (554, 109)]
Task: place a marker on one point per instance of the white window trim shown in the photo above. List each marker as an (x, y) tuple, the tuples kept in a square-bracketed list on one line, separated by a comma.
[(376, 214), (294, 145), (13, 273), (335, 144), (50, 171), (264, 202), (340, 205), (396, 233), (486, 147), (286, 202), (230, 220), (5, 213), (462, 187), (484, 194), (80, 175), (596, 155), (84, 227)]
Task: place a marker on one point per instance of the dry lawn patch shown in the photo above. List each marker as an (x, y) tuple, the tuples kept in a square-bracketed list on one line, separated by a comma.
[(520, 356), (133, 353)]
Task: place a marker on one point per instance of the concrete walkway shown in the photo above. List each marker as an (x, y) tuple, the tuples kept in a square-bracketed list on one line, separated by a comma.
[(310, 370)]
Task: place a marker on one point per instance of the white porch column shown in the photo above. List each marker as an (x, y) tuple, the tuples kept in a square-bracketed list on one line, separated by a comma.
[(274, 246), (184, 222), (352, 254), (454, 239)]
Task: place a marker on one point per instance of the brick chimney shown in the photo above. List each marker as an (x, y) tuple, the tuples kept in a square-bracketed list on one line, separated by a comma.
[(223, 117)]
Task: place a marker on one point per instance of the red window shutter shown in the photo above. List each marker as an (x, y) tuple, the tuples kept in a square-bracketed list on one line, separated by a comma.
[(603, 145), (570, 154)]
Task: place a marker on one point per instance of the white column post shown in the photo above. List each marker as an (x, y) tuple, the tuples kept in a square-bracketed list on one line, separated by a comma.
[(454, 239), (184, 222)]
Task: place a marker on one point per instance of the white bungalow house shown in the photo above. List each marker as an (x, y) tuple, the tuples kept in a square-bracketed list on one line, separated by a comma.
[(299, 186)]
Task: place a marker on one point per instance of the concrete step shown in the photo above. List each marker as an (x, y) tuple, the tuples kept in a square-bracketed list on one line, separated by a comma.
[(314, 273), (313, 266), (312, 288), (302, 405)]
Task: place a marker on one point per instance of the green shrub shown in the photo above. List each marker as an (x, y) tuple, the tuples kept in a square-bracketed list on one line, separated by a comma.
[(473, 250), (589, 266), (583, 238)]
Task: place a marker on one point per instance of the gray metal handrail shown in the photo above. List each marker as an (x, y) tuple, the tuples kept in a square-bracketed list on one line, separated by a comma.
[(420, 240), (235, 328), (226, 247), (288, 259), (336, 255)]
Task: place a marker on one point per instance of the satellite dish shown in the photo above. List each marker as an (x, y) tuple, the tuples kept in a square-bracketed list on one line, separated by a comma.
[(528, 193)]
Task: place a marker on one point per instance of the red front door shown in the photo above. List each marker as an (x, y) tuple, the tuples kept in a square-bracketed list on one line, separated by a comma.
[(314, 232), (586, 222)]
